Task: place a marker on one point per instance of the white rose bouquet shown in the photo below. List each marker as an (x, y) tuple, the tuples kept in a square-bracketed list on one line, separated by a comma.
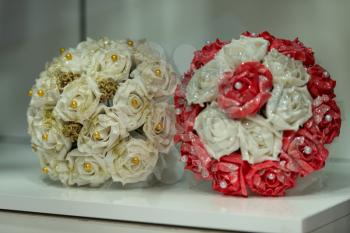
[(100, 112)]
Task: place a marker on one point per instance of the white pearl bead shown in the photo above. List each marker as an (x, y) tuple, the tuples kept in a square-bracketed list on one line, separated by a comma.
[(223, 184), (178, 111), (184, 158), (307, 150), (271, 176), (328, 118), (325, 74), (238, 85)]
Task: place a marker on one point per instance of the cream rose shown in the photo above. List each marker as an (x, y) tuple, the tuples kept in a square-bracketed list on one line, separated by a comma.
[(158, 77), (102, 132), (258, 140), (70, 60), (55, 169), (86, 169), (132, 160), (218, 133), (288, 108), (132, 99), (114, 62), (45, 91), (160, 126), (78, 101), (286, 70), (47, 136)]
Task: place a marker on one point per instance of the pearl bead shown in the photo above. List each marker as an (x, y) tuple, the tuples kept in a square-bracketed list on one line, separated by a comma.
[(69, 56), (130, 43), (158, 72), (114, 57), (74, 104), (325, 74), (328, 118), (30, 92), (184, 158), (307, 150), (40, 93), (62, 50), (178, 111), (159, 127), (135, 102), (96, 135), (87, 167), (238, 85), (135, 160), (45, 136), (271, 176), (223, 184), (45, 170)]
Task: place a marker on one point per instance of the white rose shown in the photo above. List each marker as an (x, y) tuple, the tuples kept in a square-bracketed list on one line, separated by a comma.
[(218, 133), (258, 140), (160, 126), (243, 50), (158, 77), (45, 91), (285, 70), (132, 99), (86, 169), (114, 62), (288, 108), (47, 136), (132, 160), (78, 101), (102, 132), (203, 86)]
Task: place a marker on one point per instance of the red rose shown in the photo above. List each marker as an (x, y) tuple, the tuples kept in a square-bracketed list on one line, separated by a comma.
[(265, 35), (245, 91), (208, 52), (269, 179), (228, 175), (295, 49), (320, 82), (305, 151), (195, 155), (326, 119)]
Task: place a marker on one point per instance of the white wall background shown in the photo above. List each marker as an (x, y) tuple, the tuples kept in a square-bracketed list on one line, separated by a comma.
[(32, 31)]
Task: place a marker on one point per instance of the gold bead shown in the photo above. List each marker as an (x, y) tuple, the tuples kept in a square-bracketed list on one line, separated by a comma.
[(159, 127), (45, 136), (62, 50), (130, 43), (45, 170), (158, 72), (30, 92), (40, 93), (88, 167), (69, 56), (96, 135), (135, 102), (114, 57), (135, 160), (74, 104)]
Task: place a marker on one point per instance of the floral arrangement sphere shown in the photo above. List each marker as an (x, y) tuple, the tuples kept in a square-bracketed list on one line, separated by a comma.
[(255, 114), (100, 111)]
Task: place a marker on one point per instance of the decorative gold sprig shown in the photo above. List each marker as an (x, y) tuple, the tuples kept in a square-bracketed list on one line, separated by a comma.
[(108, 87), (63, 78), (72, 129)]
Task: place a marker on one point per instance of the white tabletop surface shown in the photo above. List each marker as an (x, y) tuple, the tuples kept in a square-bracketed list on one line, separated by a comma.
[(319, 200)]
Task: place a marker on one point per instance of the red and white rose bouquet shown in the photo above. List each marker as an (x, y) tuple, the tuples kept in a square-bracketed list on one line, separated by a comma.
[(255, 113)]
